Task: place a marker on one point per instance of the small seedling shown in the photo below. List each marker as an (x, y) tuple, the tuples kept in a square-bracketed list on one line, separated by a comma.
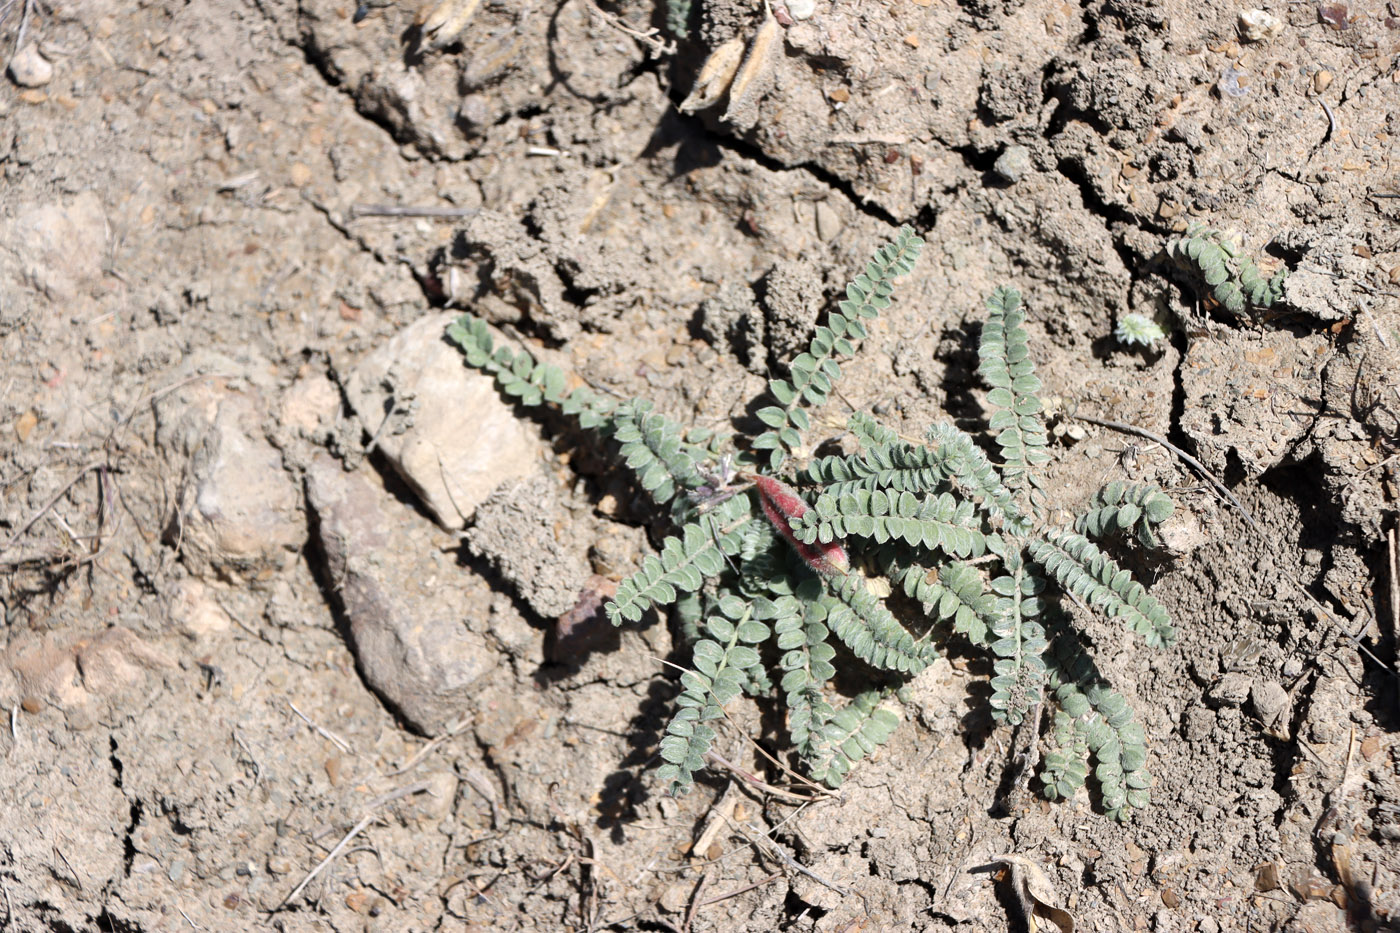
[(1138, 330), (774, 582)]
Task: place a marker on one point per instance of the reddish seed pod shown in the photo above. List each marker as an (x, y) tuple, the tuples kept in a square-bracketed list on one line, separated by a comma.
[(781, 504)]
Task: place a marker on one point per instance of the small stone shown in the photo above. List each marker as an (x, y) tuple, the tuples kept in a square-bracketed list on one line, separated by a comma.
[(1013, 164), (279, 865), (829, 222), (31, 704), (239, 515), (82, 718), (677, 897), (30, 69), (1258, 26), (1322, 80), (25, 425), (801, 9)]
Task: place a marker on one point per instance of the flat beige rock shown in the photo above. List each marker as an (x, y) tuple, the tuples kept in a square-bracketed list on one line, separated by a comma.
[(450, 436)]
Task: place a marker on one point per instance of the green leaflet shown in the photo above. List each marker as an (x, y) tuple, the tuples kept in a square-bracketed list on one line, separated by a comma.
[(862, 622), (1090, 574), (1093, 721), (1229, 276), (939, 522), (1120, 508), (683, 564), (851, 734), (1014, 399), (812, 374)]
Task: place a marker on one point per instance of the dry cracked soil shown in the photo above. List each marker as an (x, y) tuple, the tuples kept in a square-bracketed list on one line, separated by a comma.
[(299, 625)]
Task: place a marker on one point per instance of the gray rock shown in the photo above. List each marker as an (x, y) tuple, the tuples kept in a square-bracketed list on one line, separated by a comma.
[(449, 435), (239, 516), (410, 634), (1013, 164)]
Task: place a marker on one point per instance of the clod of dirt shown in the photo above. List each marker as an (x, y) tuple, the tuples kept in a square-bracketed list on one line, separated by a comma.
[(58, 248), (30, 69), (515, 532), (239, 515), (1270, 702), (791, 303), (444, 429), (1257, 25), (732, 322), (196, 612), (309, 406), (1247, 395), (410, 633), (70, 673)]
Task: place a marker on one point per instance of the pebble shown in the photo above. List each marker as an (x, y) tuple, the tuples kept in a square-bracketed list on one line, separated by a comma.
[(1321, 81), (801, 9), (829, 222), (30, 69), (1258, 26), (1013, 164)]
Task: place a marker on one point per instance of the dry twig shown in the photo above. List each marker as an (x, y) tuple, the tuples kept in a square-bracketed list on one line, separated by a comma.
[(1182, 455), (358, 210), (334, 739), (354, 831)]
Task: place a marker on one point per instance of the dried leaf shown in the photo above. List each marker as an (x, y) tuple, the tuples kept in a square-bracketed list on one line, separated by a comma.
[(715, 76), (445, 21), (1036, 894), (755, 64)]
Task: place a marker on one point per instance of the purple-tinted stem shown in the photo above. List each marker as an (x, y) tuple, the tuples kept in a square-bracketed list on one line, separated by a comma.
[(781, 504)]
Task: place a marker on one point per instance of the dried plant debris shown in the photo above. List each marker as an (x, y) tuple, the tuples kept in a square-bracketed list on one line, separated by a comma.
[(746, 85), (779, 576), (1035, 894), (440, 25), (715, 76)]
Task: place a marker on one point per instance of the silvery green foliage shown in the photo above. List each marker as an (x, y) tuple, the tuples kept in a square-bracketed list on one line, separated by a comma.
[(1122, 508), (1229, 276), (763, 575), (678, 17), (1138, 330)]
